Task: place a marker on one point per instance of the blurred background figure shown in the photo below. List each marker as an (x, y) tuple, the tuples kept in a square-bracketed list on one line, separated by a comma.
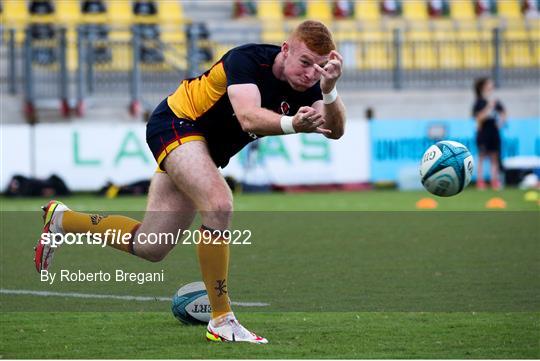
[(530, 8), (490, 116)]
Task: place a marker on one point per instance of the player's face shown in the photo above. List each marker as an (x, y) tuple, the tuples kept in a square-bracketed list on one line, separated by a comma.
[(299, 65), (487, 91)]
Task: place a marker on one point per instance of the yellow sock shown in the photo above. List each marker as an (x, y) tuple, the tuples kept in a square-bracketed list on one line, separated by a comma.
[(117, 231), (214, 263)]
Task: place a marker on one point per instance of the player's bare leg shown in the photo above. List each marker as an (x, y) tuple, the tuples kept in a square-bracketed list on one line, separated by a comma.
[(194, 172), (494, 164), (168, 210), (480, 184)]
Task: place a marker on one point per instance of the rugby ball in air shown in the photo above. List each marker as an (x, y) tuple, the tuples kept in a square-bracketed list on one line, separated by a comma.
[(446, 168), (190, 304)]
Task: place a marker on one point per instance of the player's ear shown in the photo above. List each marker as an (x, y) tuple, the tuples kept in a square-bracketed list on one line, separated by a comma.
[(285, 48)]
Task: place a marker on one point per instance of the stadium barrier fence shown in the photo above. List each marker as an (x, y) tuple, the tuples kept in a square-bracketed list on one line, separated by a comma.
[(141, 64)]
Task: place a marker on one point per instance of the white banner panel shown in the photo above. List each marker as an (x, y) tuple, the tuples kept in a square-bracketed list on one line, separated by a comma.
[(15, 152), (306, 159), (86, 156)]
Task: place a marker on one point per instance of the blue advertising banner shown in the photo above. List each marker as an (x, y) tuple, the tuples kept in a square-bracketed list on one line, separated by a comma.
[(399, 144)]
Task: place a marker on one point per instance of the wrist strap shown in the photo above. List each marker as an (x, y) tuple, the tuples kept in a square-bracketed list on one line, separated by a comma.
[(330, 97), (286, 125)]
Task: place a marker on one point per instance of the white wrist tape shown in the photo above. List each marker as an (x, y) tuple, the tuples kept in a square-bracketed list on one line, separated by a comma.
[(286, 125), (330, 97)]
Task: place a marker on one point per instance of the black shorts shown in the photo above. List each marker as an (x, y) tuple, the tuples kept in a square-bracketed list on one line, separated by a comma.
[(488, 141), (165, 132)]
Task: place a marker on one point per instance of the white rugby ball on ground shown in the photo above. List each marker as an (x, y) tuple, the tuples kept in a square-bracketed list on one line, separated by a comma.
[(446, 168), (190, 304)]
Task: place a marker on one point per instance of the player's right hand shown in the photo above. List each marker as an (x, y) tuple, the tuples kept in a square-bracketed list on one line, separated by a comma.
[(309, 120)]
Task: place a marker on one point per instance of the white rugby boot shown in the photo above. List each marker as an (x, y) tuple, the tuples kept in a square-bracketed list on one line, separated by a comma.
[(52, 219), (228, 329)]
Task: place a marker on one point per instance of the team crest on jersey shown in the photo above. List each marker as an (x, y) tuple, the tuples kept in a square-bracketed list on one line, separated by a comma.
[(285, 107)]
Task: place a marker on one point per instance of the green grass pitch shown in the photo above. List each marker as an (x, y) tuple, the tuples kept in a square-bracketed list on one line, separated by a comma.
[(344, 275)]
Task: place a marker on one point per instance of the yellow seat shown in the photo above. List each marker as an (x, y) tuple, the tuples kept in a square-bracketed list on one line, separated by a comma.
[(345, 30), (515, 30), (319, 10), (269, 10), (95, 19), (418, 49), (533, 27), (367, 10), (476, 51), (119, 12), (170, 12), (172, 34), (448, 52), (273, 32), (415, 10), (175, 57), (68, 12), (462, 9), (520, 56), (15, 12), (486, 26), (517, 49), (509, 9), (374, 50)]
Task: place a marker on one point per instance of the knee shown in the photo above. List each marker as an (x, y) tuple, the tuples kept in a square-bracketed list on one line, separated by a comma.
[(152, 255), (222, 205), (156, 257)]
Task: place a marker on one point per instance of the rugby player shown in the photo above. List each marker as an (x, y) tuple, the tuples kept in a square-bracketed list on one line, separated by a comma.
[(254, 90)]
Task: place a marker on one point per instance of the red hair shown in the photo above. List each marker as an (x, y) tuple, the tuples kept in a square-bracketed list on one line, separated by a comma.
[(315, 35)]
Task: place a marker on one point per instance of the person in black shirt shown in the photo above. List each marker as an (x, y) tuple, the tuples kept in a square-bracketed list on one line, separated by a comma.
[(490, 115)]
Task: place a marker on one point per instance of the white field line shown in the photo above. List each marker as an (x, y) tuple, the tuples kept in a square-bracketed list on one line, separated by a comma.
[(111, 297)]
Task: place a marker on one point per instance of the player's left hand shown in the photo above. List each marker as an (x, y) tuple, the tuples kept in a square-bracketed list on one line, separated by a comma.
[(331, 71)]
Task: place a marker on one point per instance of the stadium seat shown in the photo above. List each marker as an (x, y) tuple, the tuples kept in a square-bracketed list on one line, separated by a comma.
[(346, 35), (269, 10), (273, 32), (145, 12), (462, 9), (367, 10), (170, 12), (449, 53), (97, 14), (517, 49), (415, 10), (41, 11), (68, 12), (533, 26), (319, 10), (418, 50), (374, 52), (171, 18), (345, 30), (510, 9), (272, 26), (120, 12), (15, 13)]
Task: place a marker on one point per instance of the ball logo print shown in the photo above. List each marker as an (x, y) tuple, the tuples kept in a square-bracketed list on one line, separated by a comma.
[(190, 304), (446, 168)]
